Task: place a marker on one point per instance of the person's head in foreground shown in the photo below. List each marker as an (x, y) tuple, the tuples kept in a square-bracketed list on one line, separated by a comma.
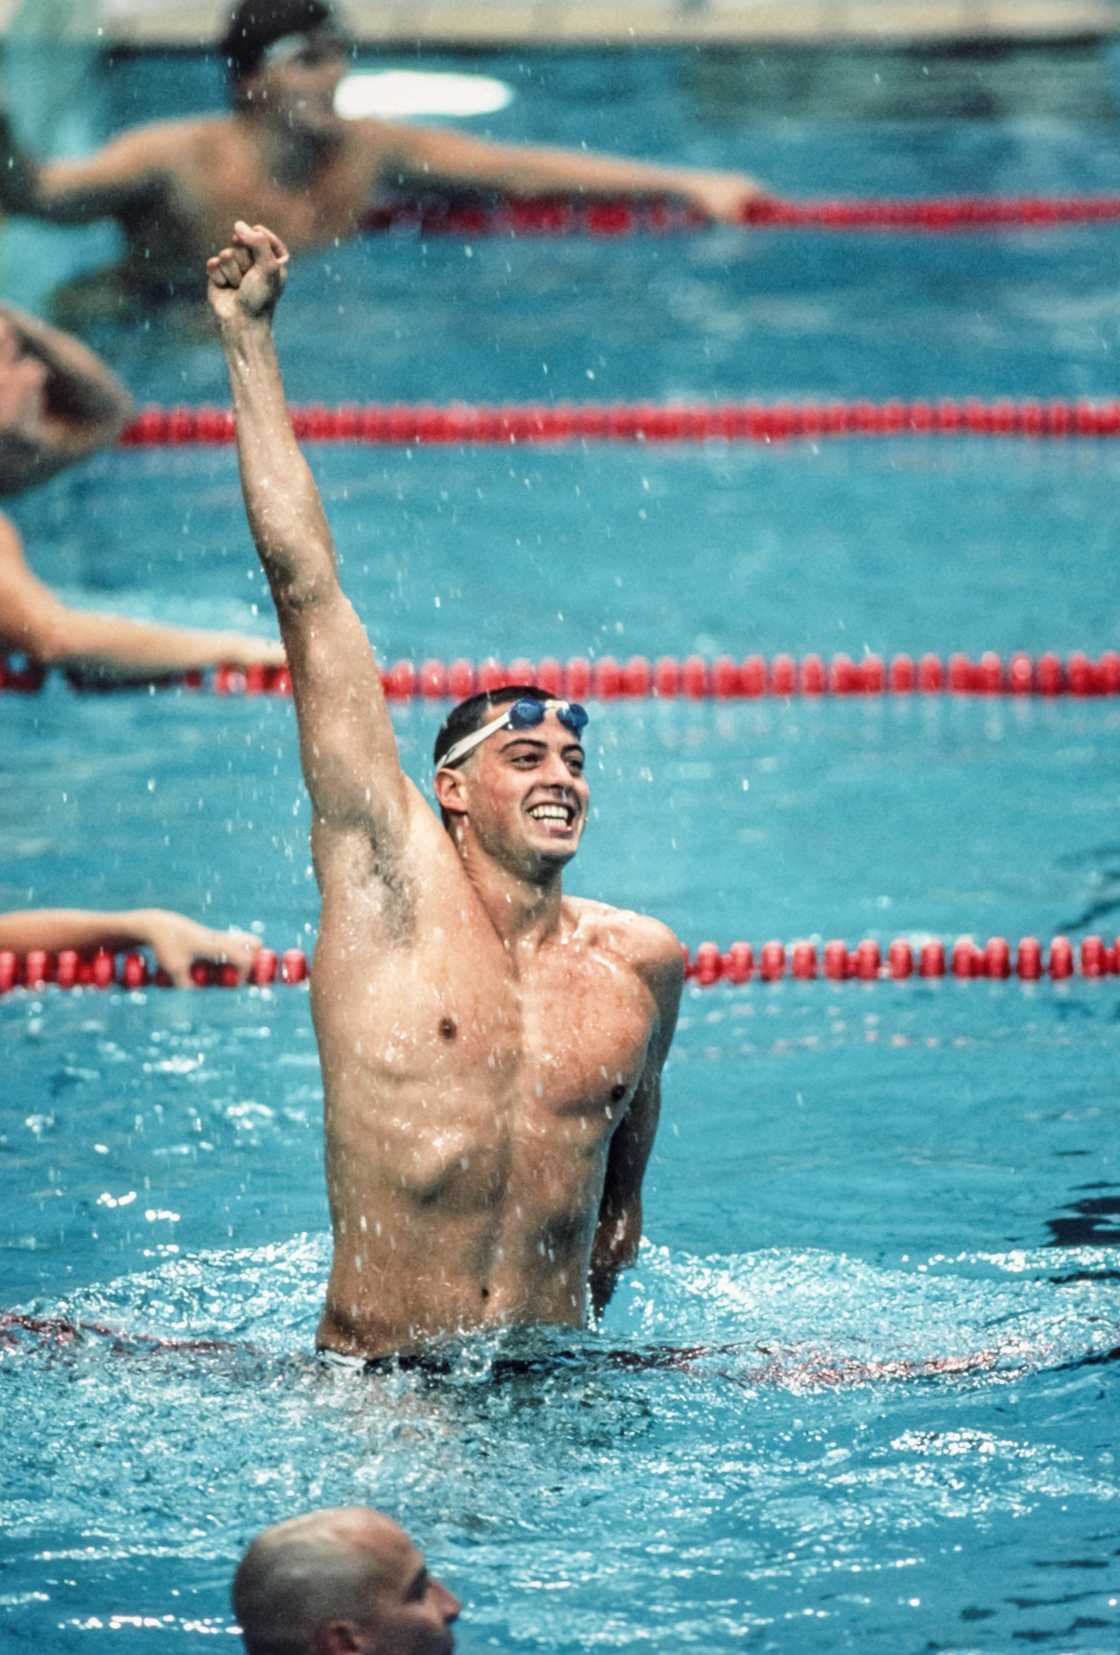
[(285, 59), (510, 778), (343, 1582)]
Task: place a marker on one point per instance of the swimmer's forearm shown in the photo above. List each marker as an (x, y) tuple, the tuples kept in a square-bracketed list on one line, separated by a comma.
[(56, 928), (174, 939), (615, 1250), (559, 169), (602, 1281), (116, 646), (525, 170), (282, 501)]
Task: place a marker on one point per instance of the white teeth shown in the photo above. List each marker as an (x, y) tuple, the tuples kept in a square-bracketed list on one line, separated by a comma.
[(551, 813)]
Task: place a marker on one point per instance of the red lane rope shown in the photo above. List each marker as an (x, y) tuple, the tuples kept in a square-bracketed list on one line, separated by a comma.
[(564, 216), (412, 424), (966, 960), (669, 677)]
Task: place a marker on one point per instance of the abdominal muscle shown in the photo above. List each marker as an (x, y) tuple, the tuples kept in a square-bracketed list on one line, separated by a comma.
[(469, 1113), (460, 1215), (402, 1299)]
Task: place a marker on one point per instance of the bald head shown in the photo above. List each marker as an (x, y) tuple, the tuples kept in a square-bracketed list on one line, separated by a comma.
[(348, 1579)]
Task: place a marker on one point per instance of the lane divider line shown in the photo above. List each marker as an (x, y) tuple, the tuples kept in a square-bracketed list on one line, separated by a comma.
[(622, 216), (666, 678), (413, 425), (741, 963)]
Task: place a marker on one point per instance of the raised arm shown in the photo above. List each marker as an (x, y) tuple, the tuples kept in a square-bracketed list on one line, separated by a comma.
[(429, 155), (58, 401), (619, 1229), (347, 745), (115, 182)]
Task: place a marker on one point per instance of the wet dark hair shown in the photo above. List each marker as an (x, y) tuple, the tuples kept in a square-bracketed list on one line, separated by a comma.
[(470, 715), (255, 24)]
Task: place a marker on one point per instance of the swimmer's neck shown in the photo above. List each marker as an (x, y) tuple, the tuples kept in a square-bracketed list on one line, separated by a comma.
[(291, 159), (526, 912)]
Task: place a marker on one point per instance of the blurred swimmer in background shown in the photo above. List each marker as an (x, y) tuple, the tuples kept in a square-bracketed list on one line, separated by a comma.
[(175, 186), (59, 404)]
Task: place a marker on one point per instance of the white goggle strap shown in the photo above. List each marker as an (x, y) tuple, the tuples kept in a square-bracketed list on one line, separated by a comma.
[(287, 46), (467, 744)]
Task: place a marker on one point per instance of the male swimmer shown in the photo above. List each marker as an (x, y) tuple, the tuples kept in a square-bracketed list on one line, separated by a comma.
[(491, 1048), (174, 187), (342, 1582), (59, 403)]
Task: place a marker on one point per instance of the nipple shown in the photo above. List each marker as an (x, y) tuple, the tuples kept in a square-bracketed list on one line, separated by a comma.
[(618, 1093), (485, 1292), (448, 1028)]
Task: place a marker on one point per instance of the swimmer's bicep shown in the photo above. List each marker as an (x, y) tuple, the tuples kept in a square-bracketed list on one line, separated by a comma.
[(348, 747), (354, 777)]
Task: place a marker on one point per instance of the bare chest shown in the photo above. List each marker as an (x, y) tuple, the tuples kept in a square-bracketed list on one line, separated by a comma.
[(462, 1068), (210, 194)]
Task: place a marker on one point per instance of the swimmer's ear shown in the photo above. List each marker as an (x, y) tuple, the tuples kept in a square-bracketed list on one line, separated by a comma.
[(450, 790), (337, 1638)]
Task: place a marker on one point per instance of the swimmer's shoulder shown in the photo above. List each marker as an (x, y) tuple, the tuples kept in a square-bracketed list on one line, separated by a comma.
[(396, 150), (649, 947), (166, 143)]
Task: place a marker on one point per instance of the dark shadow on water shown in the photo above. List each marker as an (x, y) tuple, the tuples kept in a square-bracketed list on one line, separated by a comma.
[(1087, 1225)]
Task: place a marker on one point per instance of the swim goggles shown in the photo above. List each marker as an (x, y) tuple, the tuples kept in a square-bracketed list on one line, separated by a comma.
[(307, 49), (519, 715)]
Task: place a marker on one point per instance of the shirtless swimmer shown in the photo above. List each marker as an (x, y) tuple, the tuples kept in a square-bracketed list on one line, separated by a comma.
[(491, 1049), (173, 185)]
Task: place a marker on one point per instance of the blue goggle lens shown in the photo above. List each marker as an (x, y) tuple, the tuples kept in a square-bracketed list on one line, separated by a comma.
[(526, 715)]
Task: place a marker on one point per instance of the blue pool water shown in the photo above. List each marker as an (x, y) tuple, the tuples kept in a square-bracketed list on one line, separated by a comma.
[(847, 1177)]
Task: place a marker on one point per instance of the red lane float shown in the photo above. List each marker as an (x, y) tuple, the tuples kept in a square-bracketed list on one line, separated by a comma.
[(624, 216), (731, 422), (693, 678), (966, 961), (705, 966), (39, 968)]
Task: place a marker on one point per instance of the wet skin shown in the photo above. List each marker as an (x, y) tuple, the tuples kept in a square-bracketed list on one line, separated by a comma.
[(491, 1049), (474, 1088), (285, 157), (202, 172)]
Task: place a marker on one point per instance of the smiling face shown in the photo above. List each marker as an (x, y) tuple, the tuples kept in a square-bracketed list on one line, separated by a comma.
[(522, 796)]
